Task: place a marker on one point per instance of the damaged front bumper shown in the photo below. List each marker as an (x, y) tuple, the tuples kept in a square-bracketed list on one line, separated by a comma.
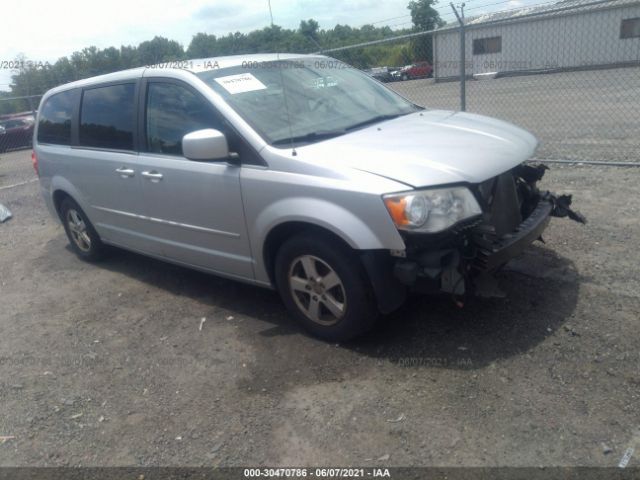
[(493, 254), (515, 214)]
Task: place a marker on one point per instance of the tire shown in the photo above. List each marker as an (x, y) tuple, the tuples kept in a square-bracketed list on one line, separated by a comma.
[(404, 78), (339, 312), (83, 238)]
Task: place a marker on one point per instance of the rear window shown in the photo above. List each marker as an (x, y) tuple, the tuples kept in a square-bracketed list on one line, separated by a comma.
[(107, 117), (54, 124)]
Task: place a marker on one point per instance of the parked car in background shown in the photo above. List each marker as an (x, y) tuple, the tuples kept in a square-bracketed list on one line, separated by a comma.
[(382, 74), (396, 76), (16, 133), (417, 70)]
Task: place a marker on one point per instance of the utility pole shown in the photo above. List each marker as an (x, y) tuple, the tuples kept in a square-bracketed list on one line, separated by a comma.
[(29, 97), (270, 12), (463, 74)]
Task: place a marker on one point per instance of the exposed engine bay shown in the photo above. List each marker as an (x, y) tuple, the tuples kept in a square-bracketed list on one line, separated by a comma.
[(515, 212)]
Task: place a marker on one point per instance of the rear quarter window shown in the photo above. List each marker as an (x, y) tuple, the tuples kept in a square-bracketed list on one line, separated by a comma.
[(107, 117), (54, 125)]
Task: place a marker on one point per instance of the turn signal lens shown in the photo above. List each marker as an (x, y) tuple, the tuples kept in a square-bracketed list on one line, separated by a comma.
[(396, 207)]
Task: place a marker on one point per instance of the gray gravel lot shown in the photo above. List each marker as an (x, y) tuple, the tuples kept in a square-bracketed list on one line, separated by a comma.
[(589, 115), (106, 365)]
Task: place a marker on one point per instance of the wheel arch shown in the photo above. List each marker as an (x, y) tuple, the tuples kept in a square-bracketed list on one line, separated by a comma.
[(360, 229), (285, 230), (60, 189), (377, 264), (58, 197)]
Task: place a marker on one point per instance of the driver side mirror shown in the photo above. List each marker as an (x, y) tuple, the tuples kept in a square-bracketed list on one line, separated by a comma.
[(203, 145)]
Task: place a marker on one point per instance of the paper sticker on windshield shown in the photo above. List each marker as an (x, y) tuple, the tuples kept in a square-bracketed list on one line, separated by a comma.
[(244, 82)]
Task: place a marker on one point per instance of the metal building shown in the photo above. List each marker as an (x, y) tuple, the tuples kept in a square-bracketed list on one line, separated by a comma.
[(568, 35)]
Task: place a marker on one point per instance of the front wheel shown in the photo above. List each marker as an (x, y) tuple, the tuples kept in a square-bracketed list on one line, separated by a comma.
[(325, 287)]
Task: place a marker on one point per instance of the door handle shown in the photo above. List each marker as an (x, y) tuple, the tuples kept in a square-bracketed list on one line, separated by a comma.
[(125, 172), (152, 175)]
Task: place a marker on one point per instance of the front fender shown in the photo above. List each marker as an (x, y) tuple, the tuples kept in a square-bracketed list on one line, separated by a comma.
[(379, 233)]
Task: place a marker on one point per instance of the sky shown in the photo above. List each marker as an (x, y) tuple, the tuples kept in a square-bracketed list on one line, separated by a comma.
[(44, 31)]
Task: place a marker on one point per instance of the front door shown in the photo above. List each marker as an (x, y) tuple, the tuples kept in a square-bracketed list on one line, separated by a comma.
[(194, 208)]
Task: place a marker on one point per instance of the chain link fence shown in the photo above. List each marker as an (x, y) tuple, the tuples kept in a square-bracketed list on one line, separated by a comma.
[(568, 72), (17, 122)]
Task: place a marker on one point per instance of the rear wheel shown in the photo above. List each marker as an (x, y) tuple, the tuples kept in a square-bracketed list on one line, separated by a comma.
[(325, 287), (82, 236)]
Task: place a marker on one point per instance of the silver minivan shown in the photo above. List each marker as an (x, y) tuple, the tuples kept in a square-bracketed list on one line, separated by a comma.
[(293, 172)]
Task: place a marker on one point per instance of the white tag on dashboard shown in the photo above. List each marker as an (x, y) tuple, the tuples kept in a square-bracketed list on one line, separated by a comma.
[(241, 83)]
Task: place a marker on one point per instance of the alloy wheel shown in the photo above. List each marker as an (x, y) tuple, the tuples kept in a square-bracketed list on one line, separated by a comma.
[(317, 290), (78, 230)]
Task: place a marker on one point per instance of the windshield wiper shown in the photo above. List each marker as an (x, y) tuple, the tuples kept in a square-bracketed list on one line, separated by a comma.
[(376, 119), (310, 137), (325, 134)]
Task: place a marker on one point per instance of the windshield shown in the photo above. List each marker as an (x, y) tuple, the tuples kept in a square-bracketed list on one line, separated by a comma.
[(305, 100)]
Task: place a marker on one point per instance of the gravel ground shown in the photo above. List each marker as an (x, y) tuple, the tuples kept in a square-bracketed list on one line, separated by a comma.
[(107, 364), (590, 115)]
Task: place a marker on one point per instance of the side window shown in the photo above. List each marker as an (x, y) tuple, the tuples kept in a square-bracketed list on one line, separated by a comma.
[(107, 117), (172, 111), (54, 124), (630, 28), (482, 46)]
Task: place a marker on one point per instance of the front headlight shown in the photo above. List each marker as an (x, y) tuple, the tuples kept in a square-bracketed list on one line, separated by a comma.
[(431, 211)]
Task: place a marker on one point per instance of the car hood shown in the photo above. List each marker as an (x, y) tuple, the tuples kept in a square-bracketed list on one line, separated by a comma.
[(429, 148)]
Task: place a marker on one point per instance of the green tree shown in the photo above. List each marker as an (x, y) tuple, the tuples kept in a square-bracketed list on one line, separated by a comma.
[(203, 45), (34, 80), (309, 29), (159, 50), (425, 18)]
